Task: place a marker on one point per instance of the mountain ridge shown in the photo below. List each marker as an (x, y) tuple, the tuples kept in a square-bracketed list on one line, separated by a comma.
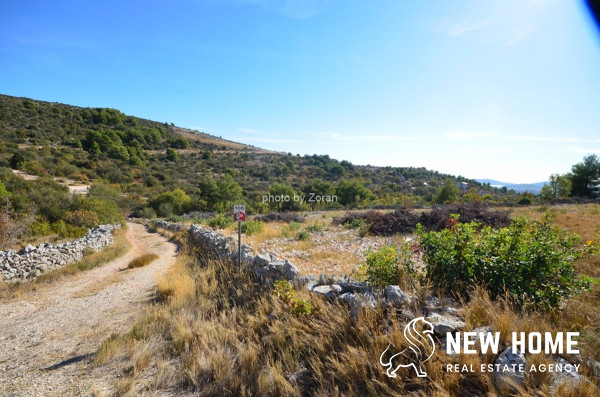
[(534, 188)]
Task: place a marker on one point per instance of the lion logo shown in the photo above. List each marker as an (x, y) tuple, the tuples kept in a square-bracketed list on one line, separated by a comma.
[(413, 356)]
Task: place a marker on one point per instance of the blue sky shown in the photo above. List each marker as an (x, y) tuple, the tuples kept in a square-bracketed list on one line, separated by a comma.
[(506, 89)]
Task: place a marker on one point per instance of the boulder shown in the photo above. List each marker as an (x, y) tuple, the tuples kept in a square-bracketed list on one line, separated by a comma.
[(353, 286), (396, 296), (260, 261), (565, 373), (443, 324), (329, 291), (358, 301), (511, 373)]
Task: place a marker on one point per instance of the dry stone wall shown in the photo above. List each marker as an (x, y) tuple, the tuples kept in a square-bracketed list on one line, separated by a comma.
[(32, 261)]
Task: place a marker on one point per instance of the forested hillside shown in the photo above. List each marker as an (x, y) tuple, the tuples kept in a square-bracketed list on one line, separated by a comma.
[(151, 168)]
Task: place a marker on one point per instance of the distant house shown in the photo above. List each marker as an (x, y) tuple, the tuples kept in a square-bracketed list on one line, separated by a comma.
[(463, 186)]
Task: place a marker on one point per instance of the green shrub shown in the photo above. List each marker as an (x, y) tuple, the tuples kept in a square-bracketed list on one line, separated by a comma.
[(220, 221), (82, 218), (388, 266), (355, 223), (252, 227), (40, 229), (297, 306), (295, 225), (316, 227), (178, 199), (530, 261), (303, 235), (106, 210), (65, 230), (146, 212)]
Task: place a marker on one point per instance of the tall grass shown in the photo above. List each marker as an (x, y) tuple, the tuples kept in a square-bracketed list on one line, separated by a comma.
[(142, 260), (218, 332)]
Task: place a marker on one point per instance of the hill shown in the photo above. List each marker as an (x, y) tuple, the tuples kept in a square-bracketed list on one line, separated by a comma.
[(100, 144), (140, 167), (517, 187)]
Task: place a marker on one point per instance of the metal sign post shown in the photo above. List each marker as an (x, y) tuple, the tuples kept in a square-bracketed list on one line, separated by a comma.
[(239, 215)]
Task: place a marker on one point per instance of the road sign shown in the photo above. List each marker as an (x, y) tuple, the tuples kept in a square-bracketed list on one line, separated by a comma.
[(239, 213)]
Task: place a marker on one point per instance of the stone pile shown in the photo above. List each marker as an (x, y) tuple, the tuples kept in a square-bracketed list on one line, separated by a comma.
[(31, 261), (216, 245)]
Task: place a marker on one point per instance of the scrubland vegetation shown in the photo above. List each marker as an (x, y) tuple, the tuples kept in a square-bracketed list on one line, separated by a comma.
[(217, 331)]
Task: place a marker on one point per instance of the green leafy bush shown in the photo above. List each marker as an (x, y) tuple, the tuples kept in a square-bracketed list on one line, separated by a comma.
[(297, 306), (107, 211), (146, 212), (220, 221), (295, 225), (388, 266), (252, 227), (303, 235), (40, 229), (65, 230), (355, 223), (82, 218), (316, 227), (530, 261)]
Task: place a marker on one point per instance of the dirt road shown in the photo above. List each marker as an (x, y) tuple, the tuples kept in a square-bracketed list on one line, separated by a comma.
[(48, 337)]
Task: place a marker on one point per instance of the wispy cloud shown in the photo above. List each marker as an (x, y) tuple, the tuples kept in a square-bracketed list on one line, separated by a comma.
[(518, 36), (483, 149), (469, 135), (463, 29)]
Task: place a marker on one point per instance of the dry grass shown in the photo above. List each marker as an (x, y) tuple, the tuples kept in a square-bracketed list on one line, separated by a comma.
[(142, 260), (90, 261), (218, 332), (583, 219)]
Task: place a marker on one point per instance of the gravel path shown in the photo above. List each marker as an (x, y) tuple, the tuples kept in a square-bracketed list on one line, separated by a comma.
[(48, 337)]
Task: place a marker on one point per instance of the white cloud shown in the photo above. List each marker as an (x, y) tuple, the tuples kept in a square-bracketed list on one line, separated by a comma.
[(463, 29), (469, 135), (518, 36), (482, 149)]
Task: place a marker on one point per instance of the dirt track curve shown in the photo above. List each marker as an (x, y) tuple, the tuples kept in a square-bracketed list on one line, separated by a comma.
[(48, 337)]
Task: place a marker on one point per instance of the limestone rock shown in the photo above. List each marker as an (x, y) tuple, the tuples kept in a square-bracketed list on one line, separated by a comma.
[(443, 324), (507, 380), (396, 296)]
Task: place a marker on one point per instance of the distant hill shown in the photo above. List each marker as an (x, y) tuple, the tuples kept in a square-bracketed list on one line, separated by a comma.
[(517, 187)]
